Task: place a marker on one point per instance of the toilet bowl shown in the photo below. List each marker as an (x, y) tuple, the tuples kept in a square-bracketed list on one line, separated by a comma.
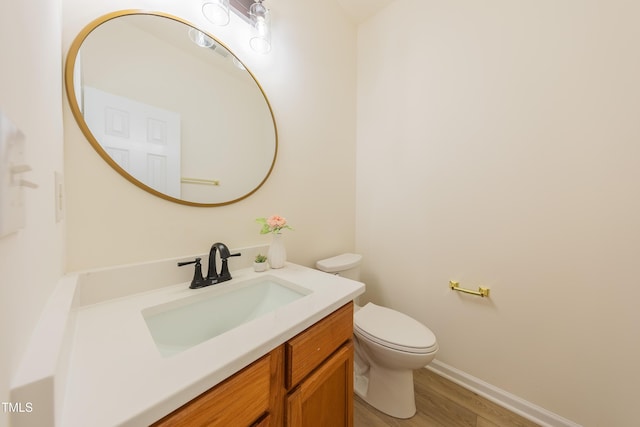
[(389, 345)]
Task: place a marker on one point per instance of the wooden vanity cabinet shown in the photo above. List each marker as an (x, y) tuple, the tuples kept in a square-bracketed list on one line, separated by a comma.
[(240, 400), (305, 382), (319, 373)]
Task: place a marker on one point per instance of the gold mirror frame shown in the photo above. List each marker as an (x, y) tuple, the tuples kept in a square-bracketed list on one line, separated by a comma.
[(70, 65)]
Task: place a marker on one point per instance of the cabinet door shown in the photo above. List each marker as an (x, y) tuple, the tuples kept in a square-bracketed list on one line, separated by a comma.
[(325, 398)]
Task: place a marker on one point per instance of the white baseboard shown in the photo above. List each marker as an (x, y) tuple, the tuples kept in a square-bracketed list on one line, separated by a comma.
[(500, 397)]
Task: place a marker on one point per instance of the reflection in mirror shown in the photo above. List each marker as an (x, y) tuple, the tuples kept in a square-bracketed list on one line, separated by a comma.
[(171, 108)]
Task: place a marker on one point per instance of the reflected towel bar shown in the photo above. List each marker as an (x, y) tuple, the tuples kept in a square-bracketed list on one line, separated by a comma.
[(481, 292), (199, 181)]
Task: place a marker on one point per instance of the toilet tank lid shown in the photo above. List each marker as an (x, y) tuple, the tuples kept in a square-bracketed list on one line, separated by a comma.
[(339, 263)]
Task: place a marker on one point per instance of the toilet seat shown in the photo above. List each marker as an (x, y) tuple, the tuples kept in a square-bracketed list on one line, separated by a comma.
[(394, 330)]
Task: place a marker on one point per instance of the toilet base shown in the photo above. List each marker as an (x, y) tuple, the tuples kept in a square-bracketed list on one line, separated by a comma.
[(388, 390)]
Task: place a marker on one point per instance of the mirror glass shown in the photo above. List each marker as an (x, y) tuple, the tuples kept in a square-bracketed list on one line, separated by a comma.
[(171, 108)]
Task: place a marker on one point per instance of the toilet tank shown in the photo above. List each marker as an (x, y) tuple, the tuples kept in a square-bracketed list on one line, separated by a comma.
[(345, 265)]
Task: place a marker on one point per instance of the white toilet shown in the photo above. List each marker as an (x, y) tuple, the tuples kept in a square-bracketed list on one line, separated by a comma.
[(389, 345)]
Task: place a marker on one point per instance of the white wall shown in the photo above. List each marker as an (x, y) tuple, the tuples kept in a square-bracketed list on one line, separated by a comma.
[(498, 145), (31, 260), (309, 78)]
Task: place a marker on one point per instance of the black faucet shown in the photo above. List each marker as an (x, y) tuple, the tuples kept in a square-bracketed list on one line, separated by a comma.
[(212, 274)]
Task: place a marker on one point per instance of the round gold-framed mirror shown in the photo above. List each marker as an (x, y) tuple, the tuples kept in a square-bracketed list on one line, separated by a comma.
[(171, 108)]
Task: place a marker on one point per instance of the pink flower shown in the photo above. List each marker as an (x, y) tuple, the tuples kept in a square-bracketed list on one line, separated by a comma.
[(273, 224), (276, 221)]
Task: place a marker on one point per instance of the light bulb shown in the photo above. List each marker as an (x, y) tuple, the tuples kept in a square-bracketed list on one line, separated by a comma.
[(261, 26), (260, 40)]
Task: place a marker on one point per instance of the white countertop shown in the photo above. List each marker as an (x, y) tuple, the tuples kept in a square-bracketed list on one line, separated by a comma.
[(117, 376)]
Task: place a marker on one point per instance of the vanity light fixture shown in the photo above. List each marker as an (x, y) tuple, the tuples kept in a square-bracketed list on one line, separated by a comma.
[(200, 38), (216, 11), (260, 40)]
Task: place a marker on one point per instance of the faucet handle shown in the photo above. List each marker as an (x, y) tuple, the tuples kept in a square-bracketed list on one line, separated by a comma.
[(224, 274), (198, 280)]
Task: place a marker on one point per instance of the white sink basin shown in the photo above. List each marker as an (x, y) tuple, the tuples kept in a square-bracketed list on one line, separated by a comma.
[(179, 325)]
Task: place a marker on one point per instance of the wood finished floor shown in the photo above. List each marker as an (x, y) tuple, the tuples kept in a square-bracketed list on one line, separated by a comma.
[(441, 403)]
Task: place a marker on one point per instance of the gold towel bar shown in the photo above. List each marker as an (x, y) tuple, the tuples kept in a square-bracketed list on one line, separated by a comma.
[(199, 181), (481, 292)]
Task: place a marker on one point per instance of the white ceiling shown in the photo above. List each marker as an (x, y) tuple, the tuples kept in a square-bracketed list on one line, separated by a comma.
[(361, 10)]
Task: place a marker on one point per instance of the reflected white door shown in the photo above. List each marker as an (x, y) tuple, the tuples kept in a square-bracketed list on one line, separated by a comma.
[(142, 139)]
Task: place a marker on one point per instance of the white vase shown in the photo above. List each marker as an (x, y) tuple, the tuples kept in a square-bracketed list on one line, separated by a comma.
[(277, 254)]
